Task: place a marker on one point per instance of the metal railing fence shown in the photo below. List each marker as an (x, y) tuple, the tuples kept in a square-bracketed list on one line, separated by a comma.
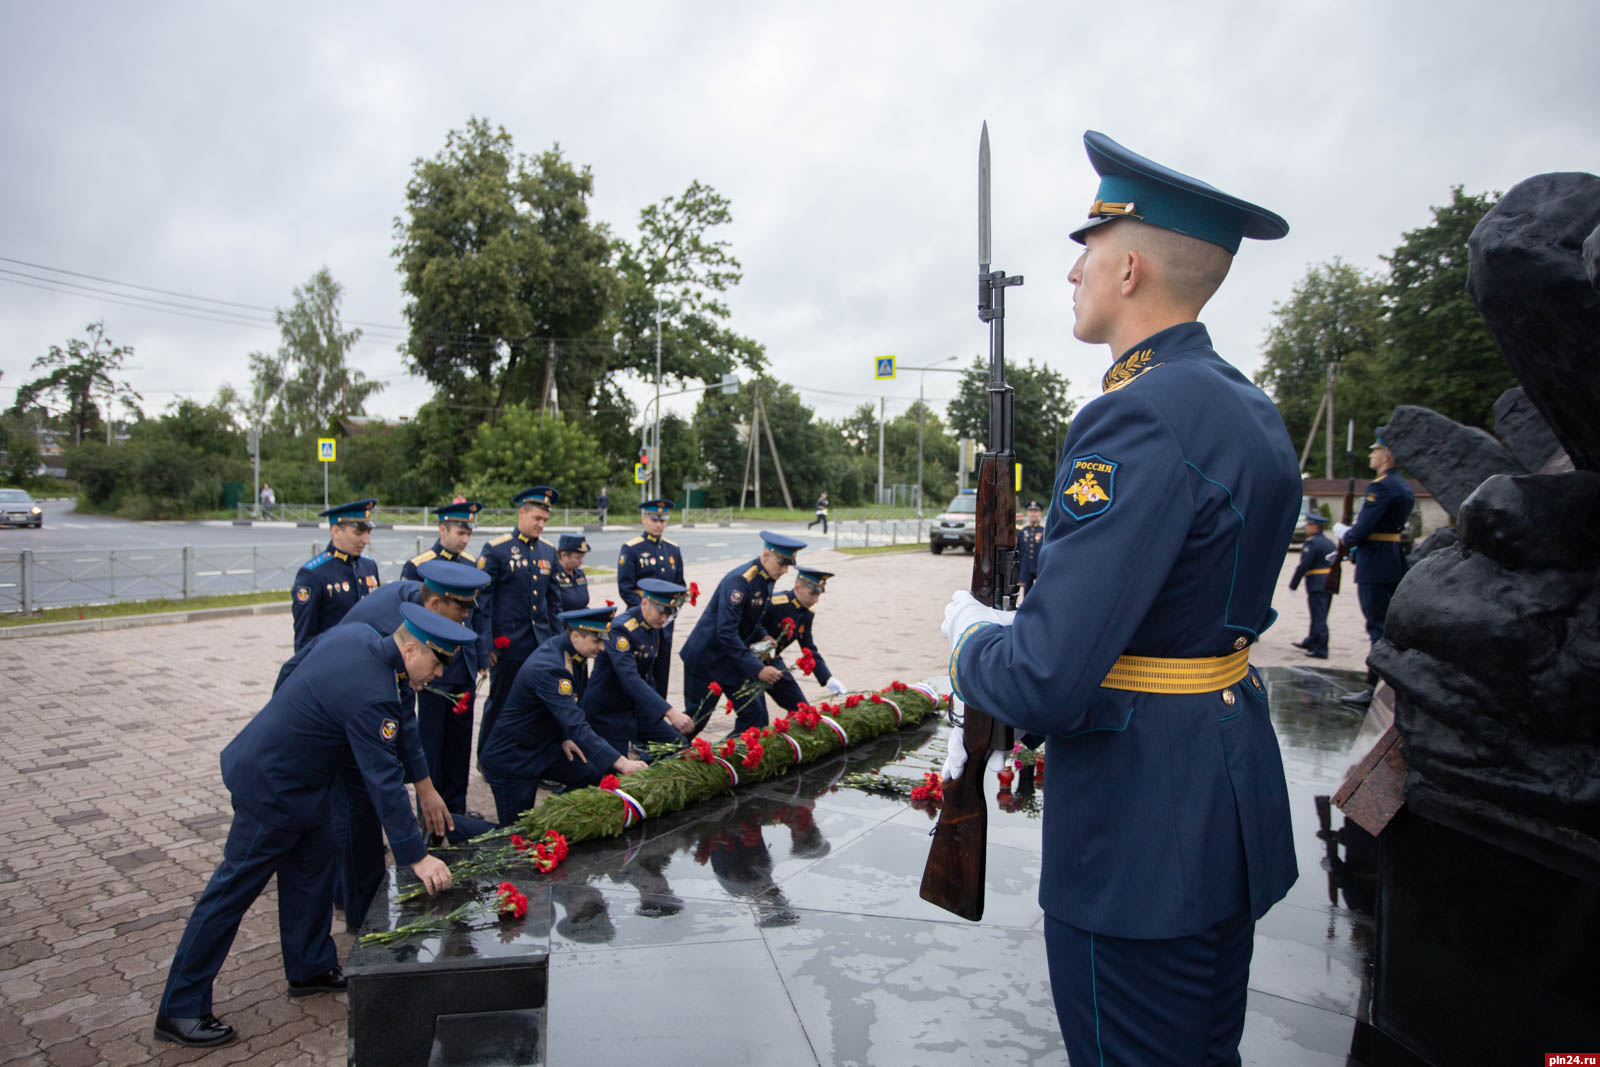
[(506, 517), (868, 533)]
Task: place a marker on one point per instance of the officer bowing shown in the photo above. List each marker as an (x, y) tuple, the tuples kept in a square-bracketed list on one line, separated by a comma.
[(515, 611), (621, 702), (571, 585), (342, 704), (651, 555), (543, 732), (790, 620), (329, 584), (719, 647)]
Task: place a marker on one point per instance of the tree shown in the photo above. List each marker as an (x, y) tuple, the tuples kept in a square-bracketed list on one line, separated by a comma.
[(1334, 317), (1439, 354), (508, 282), (523, 449), (78, 373), (813, 453), (1040, 411), (301, 389), (19, 449)]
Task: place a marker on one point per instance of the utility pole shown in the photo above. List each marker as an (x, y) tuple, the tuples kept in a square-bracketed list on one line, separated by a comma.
[(1328, 430), (882, 405), (922, 413), (777, 463), (655, 455)]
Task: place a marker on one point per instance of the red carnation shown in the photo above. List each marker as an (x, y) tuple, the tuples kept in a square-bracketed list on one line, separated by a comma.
[(520, 843), (610, 782), (715, 689), (728, 747), (788, 628), (502, 643), (611, 603), (751, 736), (702, 750), (730, 709), (752, 757), (463, 705), (853, 699), (877, 698), (694, 593), (919, 792), (557, 842), (807, 662), (899, 687), (781, 725)]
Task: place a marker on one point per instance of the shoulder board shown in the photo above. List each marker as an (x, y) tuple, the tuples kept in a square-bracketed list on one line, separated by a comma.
[(425, 557), (780, 598), (636, 541), (750, 571), (317, 561), (466, 557), (502, 539), (669, 544), (631, 624)]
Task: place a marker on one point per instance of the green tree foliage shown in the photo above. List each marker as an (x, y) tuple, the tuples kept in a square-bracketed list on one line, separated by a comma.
[(506, 276), (680, 455), (300, 390), (858, 435), (1439, 354), (523, 449), (1040, 413), (169, 467), (19, 450), (87, 368), (813, 453), (1334, 317)]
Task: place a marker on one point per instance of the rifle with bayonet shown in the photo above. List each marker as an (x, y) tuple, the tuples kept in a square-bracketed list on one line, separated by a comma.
[(1330, 584), (953, 877)]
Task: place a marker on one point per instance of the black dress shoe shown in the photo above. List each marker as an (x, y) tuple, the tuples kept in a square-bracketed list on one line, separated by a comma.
[(1300, 644), (208, 1031), (1357, 700), (332, 982)]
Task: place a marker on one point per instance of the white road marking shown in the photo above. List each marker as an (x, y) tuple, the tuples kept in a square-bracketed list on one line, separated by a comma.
[(716, 544)]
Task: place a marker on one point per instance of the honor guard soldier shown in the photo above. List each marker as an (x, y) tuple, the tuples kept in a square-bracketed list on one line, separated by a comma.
[(447, 731), (542, 731), (719, 647), (515, 612), (1166, 828), (621, 702), (330, 584), (343, 704), (1314, 567), (789, 619), (652, 556), (1375, 540), (571, 585), (1029, 540)]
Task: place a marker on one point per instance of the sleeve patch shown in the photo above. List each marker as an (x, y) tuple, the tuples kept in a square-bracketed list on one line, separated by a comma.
[(389, 728), (302, 594), (565, 688), (1091, 486), (736, 597), (622, 644)]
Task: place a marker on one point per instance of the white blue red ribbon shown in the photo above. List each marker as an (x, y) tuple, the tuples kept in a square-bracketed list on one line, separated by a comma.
[(844, 738), (633, 811), (731, 772)]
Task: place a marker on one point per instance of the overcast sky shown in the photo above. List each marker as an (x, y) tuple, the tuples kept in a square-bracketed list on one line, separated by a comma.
[(229, 150)]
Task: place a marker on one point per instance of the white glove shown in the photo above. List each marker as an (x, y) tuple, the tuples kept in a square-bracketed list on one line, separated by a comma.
[(1339, 530), (955, 760), (836, 687), (964, 610)]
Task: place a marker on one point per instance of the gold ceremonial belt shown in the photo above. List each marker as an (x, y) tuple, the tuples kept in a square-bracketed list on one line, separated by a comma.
[(1155, 674), (1324, 570), (1383, 537)]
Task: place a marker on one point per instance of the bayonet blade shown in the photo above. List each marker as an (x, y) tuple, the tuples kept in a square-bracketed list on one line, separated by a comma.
[(983, 199)]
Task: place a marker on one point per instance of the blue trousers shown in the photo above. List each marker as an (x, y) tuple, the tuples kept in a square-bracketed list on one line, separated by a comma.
[(514, 795), (663, 667), (253, 853), (357, 843), (447, 744), (1375, 597), (1318, 604), (696, 691), (501, 675), (1122, 1001)]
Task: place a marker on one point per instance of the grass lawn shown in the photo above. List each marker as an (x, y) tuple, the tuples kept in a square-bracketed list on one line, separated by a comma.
[(857, 550), (142, 607)]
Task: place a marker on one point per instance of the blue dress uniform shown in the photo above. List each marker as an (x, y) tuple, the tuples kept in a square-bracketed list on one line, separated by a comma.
[(572, 590), (1375, 541), (652, 557), (329, 584), (518, 605), (718, 649), (621, 702), (1029, 540), (1167, 829), (446, 736), (785, 607), (1313, 569), (541, 712), (343, 703)]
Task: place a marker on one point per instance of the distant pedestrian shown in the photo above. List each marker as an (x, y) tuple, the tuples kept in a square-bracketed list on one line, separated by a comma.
[(1029, 540), (822, 513), (1314, 568), (603, 505), (268, 498), (1374, 540)]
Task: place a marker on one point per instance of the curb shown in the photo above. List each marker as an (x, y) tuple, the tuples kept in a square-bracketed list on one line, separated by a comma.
[(128, 622)]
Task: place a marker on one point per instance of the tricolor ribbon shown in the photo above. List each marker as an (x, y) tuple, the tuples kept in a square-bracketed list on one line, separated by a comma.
[(798, 758), (898, 718), (927, 691), (844, 738), (733, 774), (633, 811)]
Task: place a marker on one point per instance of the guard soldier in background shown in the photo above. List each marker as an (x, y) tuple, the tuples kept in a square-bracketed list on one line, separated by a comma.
[(515, 613), (330, 584), (571, 585), (1029, 540), (789, 619), (1374, 540), (343, 703), (652, 556), (719, 647), (543, 732), (1314, 568), (1166, 819), (603, 505), (621, 702)]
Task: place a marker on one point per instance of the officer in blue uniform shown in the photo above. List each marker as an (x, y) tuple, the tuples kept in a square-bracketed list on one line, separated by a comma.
[(571, 584), (1314, 568), (1167, 831), (516, 611), (1374, 541), (1029, 540), (719, 647), (446, 732), (343, 703), (330, 584), (790, 620), (651, 555), (542, 731), (621, 702)]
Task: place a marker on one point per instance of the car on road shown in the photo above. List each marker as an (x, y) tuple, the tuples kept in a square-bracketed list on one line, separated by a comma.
[(18, 509), (956, 526)]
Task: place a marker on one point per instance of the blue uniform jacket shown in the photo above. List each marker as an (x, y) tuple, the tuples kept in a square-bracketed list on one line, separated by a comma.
[(621, 690), (1313, 557), (1384, 510), (541, 711), (647, 557), (785, 606), (719, 645), (1029, 540), (462, 674), (517, 602), (325, 588), (1177, 490), (572, 590), (343, 702)]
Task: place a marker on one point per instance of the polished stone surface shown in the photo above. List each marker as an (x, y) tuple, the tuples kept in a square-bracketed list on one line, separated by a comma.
[(782, 925)]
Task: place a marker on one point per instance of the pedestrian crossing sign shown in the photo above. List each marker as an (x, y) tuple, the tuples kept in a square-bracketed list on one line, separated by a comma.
[(885, 368), (325, 449), (639, 476)]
